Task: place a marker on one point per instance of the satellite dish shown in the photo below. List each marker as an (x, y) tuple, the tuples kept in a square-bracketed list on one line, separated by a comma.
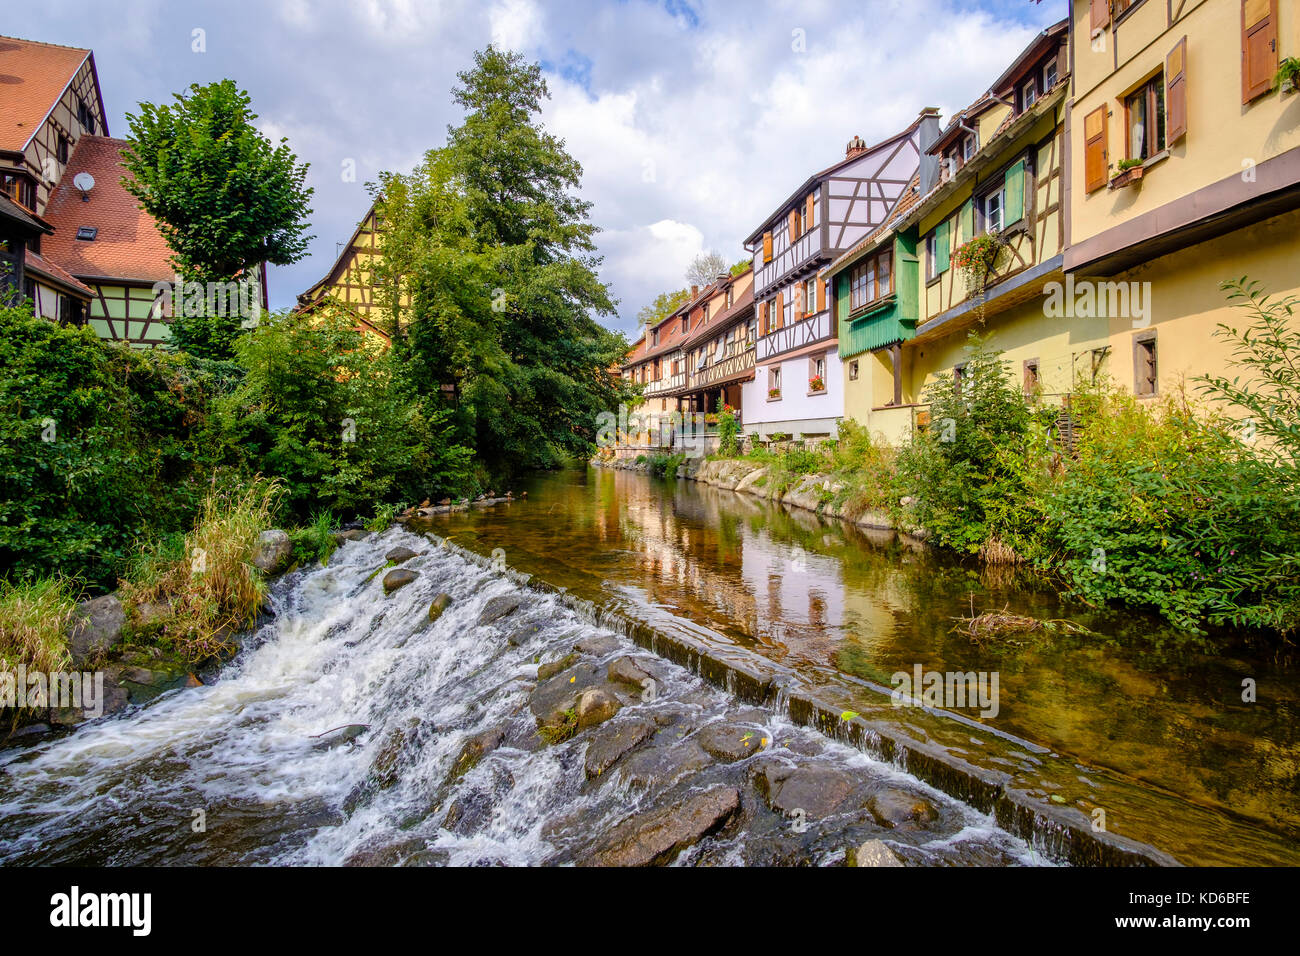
[(85, 182)]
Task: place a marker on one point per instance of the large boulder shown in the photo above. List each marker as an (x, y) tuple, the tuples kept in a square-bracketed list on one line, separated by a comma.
[(272, 551), (498, 607), (595, 706), (398, 578), (657, 837), (731, 742), (96, 628), (815, 788), (611, 742), (901, 808)]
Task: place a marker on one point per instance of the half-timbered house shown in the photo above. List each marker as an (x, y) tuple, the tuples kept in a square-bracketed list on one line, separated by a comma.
[(797, 389), (349, 285)]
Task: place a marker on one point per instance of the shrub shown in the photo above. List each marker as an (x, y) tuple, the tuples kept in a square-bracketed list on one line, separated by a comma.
[(213, 590), (100, 445), (34, 619), (728, 430), (1165, 508)]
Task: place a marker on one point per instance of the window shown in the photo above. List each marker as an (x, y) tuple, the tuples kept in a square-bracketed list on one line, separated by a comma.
[(85, 117), (1028, 94), (958, 376), (1146, 375), (994, 207), (686, 322), (1049, 75), (819, 368), (968, 147), (1031, 381), (809, 297), (870, 280), (654, 337), (61, 152), (1145, 110), (853, 371), (87, 233), (774, 381), (20, 188), (931, 256)]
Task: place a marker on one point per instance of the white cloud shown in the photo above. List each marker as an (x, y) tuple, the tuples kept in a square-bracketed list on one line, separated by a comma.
[(690, 131)]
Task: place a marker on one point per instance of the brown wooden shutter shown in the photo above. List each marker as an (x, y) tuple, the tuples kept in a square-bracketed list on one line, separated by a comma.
[(1095, 160), (808, 212), (779, 319), (794, 225), (821, 295), (1258, 47), (1100, 15), (764, 312), (767, 247), (800, 306), (1176, 93)]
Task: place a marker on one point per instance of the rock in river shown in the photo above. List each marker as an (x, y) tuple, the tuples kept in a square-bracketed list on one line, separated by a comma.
[(896, 808), (611, 742), (439, 605), (657, 837), (595, 706), (731, 742), (498, 607), (400, 555), (272, 551), (398, 578), (96, 629)]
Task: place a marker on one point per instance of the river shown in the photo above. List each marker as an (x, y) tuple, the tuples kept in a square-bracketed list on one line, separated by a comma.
[(238, 771)]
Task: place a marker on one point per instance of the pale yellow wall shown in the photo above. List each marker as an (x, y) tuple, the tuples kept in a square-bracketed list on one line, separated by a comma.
[(1223, 135)]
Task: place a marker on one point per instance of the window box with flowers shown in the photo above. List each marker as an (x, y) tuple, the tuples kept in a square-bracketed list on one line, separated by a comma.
[(977, 258), (773, 394), (1288, 75), (816, 385), (1130, 171)]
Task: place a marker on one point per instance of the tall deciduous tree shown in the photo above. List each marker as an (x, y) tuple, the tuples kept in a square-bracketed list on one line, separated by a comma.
[(705, 267), (664, 304), (492, 249), (225, 198)]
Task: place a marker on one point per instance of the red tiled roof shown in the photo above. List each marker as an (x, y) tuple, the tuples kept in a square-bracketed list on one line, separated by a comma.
[(33, 77), (42, 266), (707, 330), (128, 245)]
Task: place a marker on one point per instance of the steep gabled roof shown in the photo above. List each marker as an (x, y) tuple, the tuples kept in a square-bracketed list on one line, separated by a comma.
[(33, 76), (340, 263), (38, 265), (127, 245)]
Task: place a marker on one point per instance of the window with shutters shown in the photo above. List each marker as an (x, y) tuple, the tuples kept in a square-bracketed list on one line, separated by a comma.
[(1144, 127), (1095, 152), (1099, 16), (1176, 93), (931, 256), (1146, 372), (871, 280), (810, 296), (1258, 47)]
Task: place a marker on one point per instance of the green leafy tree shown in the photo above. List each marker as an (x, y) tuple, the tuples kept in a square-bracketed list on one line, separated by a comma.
[(664, 305), (494, 255), (225, 198)]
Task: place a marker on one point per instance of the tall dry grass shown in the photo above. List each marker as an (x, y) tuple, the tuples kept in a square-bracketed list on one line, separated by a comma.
[(34, 619), (210, 587)]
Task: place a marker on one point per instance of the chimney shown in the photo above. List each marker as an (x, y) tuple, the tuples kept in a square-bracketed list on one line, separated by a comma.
[(927, 135), (695, 290), (856, 147)]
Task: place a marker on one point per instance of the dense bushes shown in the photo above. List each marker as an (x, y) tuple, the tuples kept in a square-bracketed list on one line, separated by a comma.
[(333, 420), (99, 445)]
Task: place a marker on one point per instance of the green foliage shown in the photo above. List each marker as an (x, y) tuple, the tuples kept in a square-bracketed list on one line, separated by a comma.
[(314, 541), (974, 468), (1267, 350), (741, 267), (664, 305), (34, 619), (663, 465), (225, 198), (868, 471), (1165, 508), (492, 245), (100, 445), (728, 430), (335, 420)]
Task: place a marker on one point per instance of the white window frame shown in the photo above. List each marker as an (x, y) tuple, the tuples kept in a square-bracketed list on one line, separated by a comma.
[(1000, 196), (1029, 93), (1050, 75)]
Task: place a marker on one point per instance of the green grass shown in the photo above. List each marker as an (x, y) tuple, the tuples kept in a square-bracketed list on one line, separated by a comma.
[(34, 619)]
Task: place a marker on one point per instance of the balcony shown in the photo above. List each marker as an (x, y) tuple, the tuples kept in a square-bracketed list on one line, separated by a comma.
[(665, 385), (738, 359)]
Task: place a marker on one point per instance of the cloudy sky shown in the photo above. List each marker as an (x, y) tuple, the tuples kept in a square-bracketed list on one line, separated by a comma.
[(692, 119)]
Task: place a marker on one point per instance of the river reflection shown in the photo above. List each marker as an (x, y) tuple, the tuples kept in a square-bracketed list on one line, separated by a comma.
[(1134, 695)]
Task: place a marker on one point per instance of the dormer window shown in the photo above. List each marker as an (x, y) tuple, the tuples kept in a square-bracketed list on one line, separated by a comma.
[(1049, 75), (20, 188), (1028, 94), (968, 147)]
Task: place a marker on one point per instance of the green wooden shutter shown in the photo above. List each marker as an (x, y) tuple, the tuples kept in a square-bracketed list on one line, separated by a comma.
[(1015, 183), (941, 248), (967, 222)]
